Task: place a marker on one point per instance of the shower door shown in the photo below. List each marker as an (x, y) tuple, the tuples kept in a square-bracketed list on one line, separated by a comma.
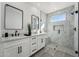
[(61, 27)]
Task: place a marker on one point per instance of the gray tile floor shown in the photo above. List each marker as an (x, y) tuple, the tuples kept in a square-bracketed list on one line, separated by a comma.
[(52, 50)]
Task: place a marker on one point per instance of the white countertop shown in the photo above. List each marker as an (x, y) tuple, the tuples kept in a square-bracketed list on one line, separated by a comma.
[(18, 37), (38, 34), (13, 38)]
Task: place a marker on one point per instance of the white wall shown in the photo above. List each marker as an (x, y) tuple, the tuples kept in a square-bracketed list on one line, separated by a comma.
[(66, 37), (28, 11)]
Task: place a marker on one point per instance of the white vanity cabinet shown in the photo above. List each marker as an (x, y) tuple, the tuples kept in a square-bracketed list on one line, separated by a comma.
[(17, 49), (22, 47), (41, 42), (37, 42)]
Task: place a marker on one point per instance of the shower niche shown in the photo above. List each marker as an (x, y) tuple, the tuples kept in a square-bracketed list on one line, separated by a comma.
[(58, 28)]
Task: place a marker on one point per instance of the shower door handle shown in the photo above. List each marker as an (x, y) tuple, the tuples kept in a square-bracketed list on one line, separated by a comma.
[(76, 11), (75, 29)]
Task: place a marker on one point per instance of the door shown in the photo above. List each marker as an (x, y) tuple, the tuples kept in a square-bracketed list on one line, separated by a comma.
[(17, 49), (41, 42), (11, 51), (24, 48), (60, 27)]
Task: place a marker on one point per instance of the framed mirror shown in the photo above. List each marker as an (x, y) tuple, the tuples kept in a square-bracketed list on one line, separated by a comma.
[(13, 18), (34, 23)]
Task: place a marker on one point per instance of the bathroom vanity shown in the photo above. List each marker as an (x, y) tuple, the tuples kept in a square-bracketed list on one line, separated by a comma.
[(21, 46)]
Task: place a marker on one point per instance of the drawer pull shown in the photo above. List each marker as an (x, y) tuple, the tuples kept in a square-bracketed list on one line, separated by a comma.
[(19, 49), (33, 43), (33, 38), (33, 50)]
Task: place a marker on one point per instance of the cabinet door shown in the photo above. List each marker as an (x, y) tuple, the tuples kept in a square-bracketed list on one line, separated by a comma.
[(11, 51), (24, 49), (1, 50), (41, 43)]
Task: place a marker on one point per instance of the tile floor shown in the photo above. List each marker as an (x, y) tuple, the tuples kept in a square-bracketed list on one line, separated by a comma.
[(53, 50)]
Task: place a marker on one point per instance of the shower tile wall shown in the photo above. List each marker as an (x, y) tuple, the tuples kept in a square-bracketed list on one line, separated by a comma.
[(66, 37)]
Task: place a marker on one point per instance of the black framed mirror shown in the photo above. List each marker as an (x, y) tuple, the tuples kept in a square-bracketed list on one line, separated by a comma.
[(34, 24), (13, 18)]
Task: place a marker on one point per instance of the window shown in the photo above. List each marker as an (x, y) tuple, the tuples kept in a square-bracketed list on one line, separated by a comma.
[(59, 17)]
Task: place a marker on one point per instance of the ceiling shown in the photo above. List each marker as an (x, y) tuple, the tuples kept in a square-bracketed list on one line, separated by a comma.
[(49, 7)]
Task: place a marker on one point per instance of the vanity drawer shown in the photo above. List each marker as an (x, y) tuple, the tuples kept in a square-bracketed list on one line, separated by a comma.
[(34, 39), (33, 49), (34, 43)]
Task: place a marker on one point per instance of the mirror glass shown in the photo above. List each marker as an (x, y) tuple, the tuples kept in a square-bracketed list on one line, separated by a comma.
[(35, 24), (13, 17)]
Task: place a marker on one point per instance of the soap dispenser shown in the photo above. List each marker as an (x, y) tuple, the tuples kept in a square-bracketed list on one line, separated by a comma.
[(16, 33)]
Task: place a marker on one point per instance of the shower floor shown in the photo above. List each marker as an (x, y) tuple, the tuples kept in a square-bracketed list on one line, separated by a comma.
[(52, 50)]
